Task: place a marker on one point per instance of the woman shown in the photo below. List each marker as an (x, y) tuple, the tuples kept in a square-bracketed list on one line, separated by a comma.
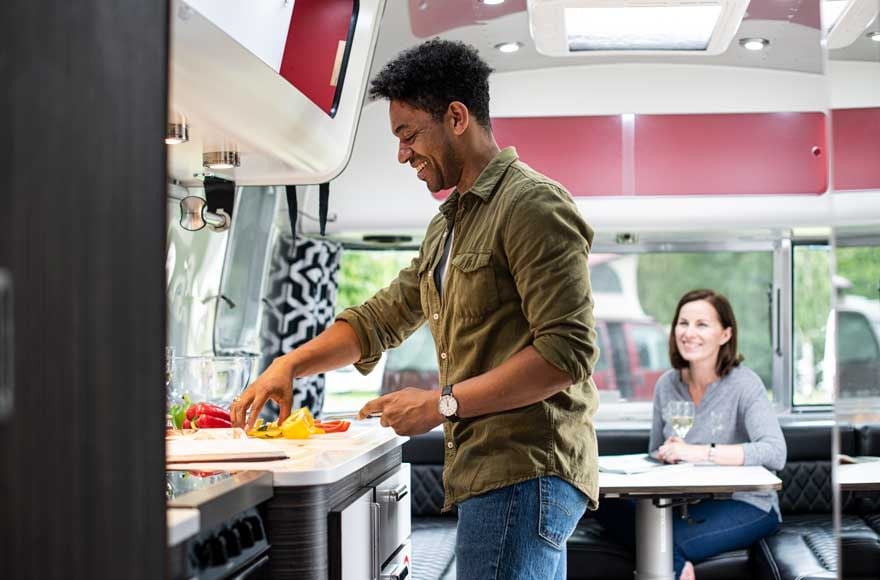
[(734, 424)]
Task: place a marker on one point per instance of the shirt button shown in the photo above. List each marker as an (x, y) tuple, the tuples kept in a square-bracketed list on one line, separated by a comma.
[(430, 272), (450, 445), (443, 355), (436, 316)]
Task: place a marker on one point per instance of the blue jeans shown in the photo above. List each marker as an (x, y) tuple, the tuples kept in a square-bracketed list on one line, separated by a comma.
[(518, 532), (712, 527)]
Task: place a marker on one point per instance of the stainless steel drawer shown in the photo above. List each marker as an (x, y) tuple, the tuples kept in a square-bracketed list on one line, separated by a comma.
[(394, 500)]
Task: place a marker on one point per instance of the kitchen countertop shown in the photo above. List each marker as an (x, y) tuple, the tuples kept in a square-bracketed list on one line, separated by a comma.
[(320, 459), (183, 523)]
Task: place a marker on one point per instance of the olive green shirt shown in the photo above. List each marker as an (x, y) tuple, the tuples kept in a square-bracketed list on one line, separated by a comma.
[(517, 277)]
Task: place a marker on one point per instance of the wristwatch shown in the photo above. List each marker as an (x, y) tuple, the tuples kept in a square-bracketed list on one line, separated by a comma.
[(448, 405)]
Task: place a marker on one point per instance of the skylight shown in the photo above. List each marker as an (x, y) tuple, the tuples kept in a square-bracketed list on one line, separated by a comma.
[(641, 28)]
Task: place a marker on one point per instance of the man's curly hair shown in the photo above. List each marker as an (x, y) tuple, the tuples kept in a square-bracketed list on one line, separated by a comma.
[(432, 75)]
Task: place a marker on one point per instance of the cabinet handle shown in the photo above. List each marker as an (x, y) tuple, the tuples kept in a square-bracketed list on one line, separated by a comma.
[(7, 350), (394, 495), (375, 564)]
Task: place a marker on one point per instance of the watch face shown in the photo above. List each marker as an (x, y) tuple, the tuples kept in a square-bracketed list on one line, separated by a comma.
[(448, 405)]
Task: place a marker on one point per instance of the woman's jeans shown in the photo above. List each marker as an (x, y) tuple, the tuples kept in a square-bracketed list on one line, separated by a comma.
[(712, 527), (518, 532)]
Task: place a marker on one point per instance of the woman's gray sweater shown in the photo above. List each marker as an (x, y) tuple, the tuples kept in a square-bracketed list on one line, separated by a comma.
[(734, 410)]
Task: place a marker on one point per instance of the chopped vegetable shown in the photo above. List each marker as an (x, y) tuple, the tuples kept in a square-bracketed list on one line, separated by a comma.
[(337, 426), (200, 409), (299, 425), (209, 422)]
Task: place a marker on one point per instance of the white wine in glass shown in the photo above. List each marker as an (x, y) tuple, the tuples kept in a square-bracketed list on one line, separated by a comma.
[(681, 416)]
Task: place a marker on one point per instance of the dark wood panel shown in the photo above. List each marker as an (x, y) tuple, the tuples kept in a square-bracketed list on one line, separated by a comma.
[(82, 195), (297, 521)]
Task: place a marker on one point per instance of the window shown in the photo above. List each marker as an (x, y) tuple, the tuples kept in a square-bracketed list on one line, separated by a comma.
[(361, 274), (812, 307), (857, 287), (633, 317)]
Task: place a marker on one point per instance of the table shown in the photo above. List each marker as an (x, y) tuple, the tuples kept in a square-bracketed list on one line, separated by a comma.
[(655, 492), (862, 476)]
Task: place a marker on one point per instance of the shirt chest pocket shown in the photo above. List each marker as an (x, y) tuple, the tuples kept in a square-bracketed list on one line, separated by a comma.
[(473, 289)]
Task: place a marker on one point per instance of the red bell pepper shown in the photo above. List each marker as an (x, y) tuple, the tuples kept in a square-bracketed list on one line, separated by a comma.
[(187, 424), (200, 409), (211, 422), (338, 426)]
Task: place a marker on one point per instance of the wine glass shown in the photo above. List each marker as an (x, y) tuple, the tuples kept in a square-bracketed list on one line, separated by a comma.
[(681, 415)]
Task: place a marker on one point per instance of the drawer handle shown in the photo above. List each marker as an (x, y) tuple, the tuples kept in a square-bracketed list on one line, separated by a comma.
[(394, 495)]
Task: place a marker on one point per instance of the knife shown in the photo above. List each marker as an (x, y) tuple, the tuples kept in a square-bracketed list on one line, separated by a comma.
[(352, 416)]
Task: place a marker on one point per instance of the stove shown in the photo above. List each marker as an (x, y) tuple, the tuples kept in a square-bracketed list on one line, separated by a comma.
[(231, 542)]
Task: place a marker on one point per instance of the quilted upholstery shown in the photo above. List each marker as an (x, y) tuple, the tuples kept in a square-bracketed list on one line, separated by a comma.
[(427, 488), (806, 487)]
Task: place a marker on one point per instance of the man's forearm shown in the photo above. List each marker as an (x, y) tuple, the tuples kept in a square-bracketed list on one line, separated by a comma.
[(523, 379), (336, 347)]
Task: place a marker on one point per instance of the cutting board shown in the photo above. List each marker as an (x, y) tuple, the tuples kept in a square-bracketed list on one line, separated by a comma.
[(192, 450)]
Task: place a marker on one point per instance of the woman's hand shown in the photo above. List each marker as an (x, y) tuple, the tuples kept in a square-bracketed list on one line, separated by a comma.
[(275, 383), (675, 450)]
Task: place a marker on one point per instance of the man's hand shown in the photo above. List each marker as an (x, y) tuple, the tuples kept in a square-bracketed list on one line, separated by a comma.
[(409, 411), (675, 449), (275, 383)]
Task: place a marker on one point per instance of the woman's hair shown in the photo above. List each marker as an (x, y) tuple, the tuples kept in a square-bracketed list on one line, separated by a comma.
[(728, 357)]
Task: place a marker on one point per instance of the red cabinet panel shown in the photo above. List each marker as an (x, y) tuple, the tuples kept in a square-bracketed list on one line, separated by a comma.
[(316, 29), (856, 156), (744, 153), (582, 153)]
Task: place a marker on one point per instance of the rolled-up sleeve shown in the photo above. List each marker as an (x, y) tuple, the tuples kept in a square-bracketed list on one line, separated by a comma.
[(547, 243), (388, 318)]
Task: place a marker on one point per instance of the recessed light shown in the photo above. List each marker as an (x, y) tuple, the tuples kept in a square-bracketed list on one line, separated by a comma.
[(176, 133), (508, 47), (221, 159), (754, 43), (875, 36), (492, 2)]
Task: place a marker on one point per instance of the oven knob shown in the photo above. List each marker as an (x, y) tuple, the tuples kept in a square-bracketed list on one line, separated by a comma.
[(256, 526), (217, 549), (202, 555), (233, 546), (245, 535)]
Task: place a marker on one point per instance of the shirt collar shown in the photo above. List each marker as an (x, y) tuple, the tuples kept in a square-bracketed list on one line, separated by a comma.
[(486, 183)]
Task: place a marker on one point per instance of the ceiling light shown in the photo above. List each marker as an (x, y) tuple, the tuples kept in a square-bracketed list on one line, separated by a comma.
[(844, 21), (875, 36), (492, 2), (578, 27), (753, 43), (508, 47), (176, 133), (221, 159)]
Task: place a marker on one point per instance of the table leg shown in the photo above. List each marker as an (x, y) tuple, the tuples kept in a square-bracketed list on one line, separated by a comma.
[(653, 541)]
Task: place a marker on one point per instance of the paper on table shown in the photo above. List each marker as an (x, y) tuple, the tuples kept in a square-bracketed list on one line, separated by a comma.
[(628, 464)]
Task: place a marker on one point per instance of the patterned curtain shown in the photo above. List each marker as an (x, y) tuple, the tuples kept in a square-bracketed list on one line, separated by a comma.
[(301, 296)]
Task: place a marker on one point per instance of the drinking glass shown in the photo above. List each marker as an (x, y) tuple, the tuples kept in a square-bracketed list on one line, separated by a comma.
[(680, 414)]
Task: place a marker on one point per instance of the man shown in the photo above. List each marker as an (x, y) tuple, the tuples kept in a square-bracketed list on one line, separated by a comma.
[(502, 281)]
